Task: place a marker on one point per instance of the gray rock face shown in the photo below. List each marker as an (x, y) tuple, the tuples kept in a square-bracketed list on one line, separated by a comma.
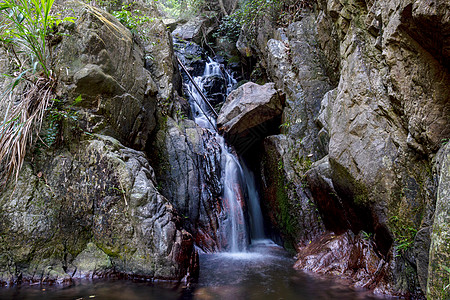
[(283, 189), (249, 106), (92, 210), (381, 125), (438, 272), (187, 161), (294, 63)]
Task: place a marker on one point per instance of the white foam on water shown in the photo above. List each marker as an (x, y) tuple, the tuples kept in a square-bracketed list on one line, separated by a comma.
[(243, 255), (265, 242)]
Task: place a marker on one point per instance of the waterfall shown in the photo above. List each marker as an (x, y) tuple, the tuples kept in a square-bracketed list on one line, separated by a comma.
[(255, 213), (235, 179)]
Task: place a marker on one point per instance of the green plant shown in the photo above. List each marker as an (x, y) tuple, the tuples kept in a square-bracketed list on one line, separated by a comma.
[(55, 115), (404, 233), (131, 18), (286, 125), (24, 28), (280, 165), (229, 29), (180, 115), (250, 13), (366, 236)]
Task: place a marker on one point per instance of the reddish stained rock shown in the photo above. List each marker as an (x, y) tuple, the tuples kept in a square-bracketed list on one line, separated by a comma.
[(208, 243), (352, 257)]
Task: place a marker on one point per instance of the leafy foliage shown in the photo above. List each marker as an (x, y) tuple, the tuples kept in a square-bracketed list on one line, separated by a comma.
[(250, 13), (229, 28), (23, 29), (131, 19)]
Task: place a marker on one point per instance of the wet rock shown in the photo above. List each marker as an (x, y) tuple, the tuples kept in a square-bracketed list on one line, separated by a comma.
[(345, 255), (249, 106), (191, 55), (187, 160), (215, 89)]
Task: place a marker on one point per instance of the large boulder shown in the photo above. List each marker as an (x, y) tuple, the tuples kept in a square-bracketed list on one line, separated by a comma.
[(90, 210), (249, 106), (98, 60), (196, 29), (345, 254)]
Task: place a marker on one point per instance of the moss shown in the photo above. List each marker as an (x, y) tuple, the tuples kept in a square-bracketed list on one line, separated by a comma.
[(361, 199), (285, 207), (283, 201)]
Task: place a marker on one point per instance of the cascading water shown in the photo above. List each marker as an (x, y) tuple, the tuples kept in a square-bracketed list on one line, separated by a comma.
[(232, 227), (256, 218)]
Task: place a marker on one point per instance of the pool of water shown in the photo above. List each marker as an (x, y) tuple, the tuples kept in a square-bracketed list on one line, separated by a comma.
[(265, 272)]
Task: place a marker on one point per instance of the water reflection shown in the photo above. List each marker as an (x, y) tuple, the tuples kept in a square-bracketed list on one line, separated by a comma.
[(263, 273)]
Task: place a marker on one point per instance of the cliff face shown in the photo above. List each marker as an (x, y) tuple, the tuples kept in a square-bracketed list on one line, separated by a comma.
[(368, 88)]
